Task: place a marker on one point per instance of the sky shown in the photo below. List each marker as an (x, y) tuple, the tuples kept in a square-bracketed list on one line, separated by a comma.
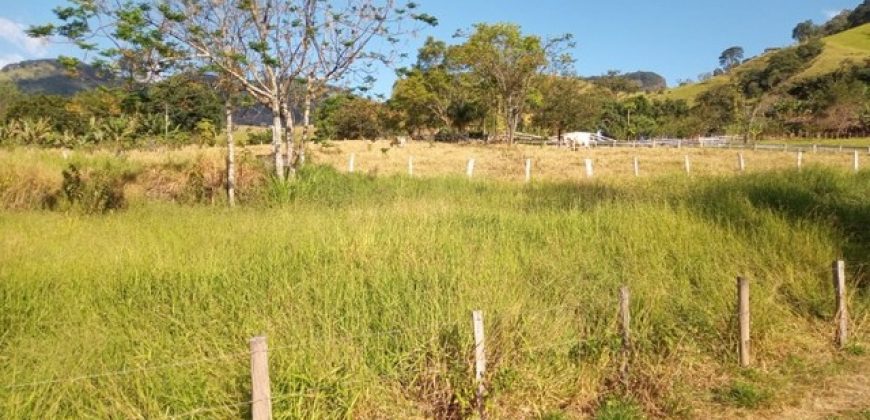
[(678, 39)]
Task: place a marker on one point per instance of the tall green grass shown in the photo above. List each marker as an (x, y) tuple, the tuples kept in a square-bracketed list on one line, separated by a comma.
[(364, 287)]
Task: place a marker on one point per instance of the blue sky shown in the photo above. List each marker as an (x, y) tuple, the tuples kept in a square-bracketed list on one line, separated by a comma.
[(678, 39)]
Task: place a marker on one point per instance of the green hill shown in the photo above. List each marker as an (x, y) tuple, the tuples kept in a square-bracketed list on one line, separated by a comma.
[(853, 44)]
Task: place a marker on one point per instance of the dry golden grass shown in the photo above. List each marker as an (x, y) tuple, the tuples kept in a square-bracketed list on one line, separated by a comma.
[(553, 164)]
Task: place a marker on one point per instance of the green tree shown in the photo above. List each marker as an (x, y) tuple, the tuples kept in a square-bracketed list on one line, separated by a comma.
[(731, 57), (805, 31), (567, 104), (349, 117), (436, 93), (9, 94), (185, 98), (718, 107), (506, 61)]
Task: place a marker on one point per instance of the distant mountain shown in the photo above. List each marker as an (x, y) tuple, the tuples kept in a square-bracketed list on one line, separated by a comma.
[(645, 81), (51, 77), (649, 81)]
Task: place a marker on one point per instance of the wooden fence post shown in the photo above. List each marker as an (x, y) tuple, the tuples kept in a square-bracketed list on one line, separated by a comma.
[(815, 148), (479, 358), (688, 165), (625, 317), (800, 159), (856, 162), (411, 165), (842, 316), (589, 171), (743, 320), (261, 405), (469, 168), (351, 162), (528, 170), (636, 166), (741, 164)]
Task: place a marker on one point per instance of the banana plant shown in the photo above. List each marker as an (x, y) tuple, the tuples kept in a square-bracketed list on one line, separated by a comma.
[(36, 131)]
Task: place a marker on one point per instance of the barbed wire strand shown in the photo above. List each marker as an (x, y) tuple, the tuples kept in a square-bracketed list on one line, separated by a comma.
[(125, 372)]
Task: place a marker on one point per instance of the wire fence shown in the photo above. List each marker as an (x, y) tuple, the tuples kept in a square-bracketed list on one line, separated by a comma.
[(470, 354)]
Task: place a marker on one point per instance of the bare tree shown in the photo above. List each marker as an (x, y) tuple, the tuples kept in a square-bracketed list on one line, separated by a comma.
[(263, 46)]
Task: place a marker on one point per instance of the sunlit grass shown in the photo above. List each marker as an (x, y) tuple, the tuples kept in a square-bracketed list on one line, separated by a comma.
[(364, 286)]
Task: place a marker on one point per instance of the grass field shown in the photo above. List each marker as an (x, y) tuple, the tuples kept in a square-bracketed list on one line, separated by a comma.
[(364, 285)]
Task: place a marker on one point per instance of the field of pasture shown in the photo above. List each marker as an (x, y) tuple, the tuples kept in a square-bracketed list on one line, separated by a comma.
[(129, 290)]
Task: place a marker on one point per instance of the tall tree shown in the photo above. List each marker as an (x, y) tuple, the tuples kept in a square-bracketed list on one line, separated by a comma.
[(507, 61), (262, 45), (568, 103), (804, 31), (346, 39), (731, 58)]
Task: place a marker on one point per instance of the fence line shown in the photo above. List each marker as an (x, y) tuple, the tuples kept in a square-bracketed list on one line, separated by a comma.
[(261, 398), (588, 163), (125, 372)]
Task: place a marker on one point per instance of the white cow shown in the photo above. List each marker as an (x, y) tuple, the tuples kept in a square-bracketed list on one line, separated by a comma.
[(578, 138)]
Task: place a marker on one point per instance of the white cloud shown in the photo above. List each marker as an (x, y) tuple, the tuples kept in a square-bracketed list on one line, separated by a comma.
[(13, 33), (830, 14)]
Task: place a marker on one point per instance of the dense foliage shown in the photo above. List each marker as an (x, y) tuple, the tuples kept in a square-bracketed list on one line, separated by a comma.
[(176, 110)]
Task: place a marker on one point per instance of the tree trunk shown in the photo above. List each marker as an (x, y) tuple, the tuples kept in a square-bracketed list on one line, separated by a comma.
[(289, 150), (276, 139), (306, 123), (512, 121), (231, 156)]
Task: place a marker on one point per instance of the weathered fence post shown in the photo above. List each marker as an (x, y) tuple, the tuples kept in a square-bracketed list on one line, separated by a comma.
[(479, 358), (679, 144), (688, 165), (842, 316), (743, 320), (636, 166), (528, 170), (856, 162), (261, 399), (625, 329), (815, 148), (625, 317), (589, 171), (469, 168), (741, 164), (800, 159), (411, 165), (351, 162)]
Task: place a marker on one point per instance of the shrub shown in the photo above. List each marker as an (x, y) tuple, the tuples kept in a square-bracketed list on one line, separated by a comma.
[(95, 190), (742, 394), (205, 133)]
